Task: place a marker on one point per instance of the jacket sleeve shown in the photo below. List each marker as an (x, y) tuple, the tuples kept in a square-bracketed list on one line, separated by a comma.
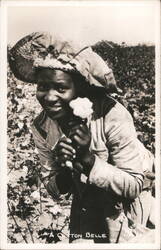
[(123, 173), (56, 180)]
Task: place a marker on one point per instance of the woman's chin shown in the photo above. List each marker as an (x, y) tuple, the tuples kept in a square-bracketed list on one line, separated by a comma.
[(56, 115)]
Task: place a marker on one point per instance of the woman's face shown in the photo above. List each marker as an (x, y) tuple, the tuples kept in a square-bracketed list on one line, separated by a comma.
[(55, 89)]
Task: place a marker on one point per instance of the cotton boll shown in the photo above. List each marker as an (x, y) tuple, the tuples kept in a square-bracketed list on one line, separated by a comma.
[(35, 195), (82, 107), (55, 210), (69, 164)]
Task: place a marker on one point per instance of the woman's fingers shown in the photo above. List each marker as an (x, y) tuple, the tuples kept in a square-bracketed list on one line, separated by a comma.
[(80, 141), (65, 140), (77, 132), (74, 123), (64, 151), (83, 127), (81, 130), (63, 158), (64, 148)]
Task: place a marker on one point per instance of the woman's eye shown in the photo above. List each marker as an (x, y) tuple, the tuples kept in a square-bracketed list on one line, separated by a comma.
[(42, 87)]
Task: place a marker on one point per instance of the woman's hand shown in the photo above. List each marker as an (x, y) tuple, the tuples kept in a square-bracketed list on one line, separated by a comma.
[(76, 148), (65, 151), (81, 138)]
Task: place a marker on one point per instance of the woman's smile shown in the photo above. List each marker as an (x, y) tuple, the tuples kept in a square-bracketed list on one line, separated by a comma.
[(53, 107)]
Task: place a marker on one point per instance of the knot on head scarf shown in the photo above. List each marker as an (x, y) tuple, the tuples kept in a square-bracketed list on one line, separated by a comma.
[(43, 50)]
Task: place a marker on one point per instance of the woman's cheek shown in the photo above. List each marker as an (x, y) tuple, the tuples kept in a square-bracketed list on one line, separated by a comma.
[(40, 96), (69, 95)]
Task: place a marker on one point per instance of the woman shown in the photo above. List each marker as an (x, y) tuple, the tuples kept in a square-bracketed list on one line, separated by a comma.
[(99, 159)]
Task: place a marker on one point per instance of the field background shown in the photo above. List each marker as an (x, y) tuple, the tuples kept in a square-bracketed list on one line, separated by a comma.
[(33, 217)]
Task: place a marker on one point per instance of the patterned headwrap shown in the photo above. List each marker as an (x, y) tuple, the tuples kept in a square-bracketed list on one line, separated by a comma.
[(43, 50)]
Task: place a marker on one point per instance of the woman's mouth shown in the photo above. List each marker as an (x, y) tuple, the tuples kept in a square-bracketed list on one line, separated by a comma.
[(54, 108)]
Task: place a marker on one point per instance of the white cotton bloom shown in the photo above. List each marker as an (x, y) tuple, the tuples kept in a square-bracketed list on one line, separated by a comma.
[(20, 125), (36, 151), (18, 149), (19, 86), (25, 143), (35, 195), (19, 107), (66, 214), (27, 200), (69, 164), (21, 117), (55, 210), (82, 107), (25, 169)]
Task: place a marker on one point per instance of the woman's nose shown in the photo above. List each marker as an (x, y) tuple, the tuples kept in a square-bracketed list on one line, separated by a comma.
[(52, 95)]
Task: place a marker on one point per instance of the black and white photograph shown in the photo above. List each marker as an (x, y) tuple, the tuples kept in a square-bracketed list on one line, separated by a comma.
[(81, 124)]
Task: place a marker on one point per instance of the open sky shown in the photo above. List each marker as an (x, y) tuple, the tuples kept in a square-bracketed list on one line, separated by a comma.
[(132, 22)]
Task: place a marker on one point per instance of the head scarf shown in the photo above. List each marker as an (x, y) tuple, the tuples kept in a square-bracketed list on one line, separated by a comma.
[(43, 50)]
